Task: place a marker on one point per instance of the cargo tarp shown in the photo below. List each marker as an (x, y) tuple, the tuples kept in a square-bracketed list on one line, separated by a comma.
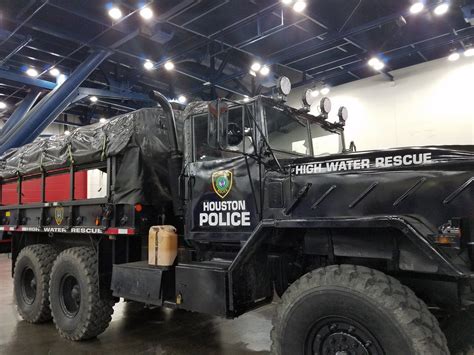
[(138, 139)]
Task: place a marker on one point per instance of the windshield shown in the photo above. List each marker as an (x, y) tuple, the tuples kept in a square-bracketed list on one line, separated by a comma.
[(289, 134), (286, 133)]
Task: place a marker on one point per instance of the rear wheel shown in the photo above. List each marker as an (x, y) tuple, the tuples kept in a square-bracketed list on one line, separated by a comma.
[(31, 282), (346, 309), (78, 310)]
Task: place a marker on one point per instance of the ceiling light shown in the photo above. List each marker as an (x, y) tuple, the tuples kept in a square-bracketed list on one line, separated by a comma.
[(54, 72), (67, 132), (103, 120), (453, 56), (148, 65), (314, 92), (93, 98), (115, 13), (417, 7), (379, 65), (256, 66), (32, 72), (373, 61), (182, 99), (246, 98), (325, 90), (146, 13), (265, 70), (3, 105), (287, 2), (299, 6), (61, 79), (469, 52), (441, 9), (169, 65)]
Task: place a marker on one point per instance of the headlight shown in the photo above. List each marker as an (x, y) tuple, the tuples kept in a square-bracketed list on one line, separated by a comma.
[(284, 85), (342, 114)]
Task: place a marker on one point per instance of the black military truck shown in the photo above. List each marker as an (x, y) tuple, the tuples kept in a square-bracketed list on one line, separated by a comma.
[(364, 248)]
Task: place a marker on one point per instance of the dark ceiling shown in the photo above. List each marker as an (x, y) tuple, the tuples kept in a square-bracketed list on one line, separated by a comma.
[(213, 43)]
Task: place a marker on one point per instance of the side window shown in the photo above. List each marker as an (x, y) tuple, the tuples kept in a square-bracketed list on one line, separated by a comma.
[(203, 147), (238, 132)]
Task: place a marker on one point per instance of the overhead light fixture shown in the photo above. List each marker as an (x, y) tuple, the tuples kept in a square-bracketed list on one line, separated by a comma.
[(314, 92), (182, 99), (3, 105), (469, 52), (93, 98), (325, 90), (287, 2), (146, 13), (148, 65), (61, 79), (103, 120), (376, 63), (379, 66), (265, 70), (417, 7), (299, 6), (256, 66), (54, 72), (169, 65), (246, 98), (453, 56), (32, 72), (441, 9), (67, 132), (115, 13)]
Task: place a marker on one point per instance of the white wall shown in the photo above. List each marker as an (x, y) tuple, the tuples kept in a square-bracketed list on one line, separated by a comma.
[(428, 104)]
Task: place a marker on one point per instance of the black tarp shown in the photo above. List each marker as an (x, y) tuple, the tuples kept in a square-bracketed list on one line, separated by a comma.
[(138, 139)]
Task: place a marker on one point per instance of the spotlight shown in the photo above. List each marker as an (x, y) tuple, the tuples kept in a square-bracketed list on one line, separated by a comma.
[(325, 90), (146, 13), (67, 132), (373, 61), (182, 99), (469, 52), (169, 65), (3, 105), (54, 72), (441, 9), (453, 56), (265, 70), (417, 7), (148, 65), (246, 98), (32, 72), (103, 120), (314, 92), (115, 13), (256, 66), (287, 2), (93, 98), (299, 6)]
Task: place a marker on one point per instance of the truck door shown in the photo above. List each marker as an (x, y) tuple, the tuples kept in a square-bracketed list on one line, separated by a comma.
[(223, 178)]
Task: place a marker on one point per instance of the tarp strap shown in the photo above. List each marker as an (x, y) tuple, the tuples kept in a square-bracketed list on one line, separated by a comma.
[(104, 146), (69, 152)]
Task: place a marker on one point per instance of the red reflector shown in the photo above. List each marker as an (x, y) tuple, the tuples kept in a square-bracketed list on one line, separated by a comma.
[(138, 207)]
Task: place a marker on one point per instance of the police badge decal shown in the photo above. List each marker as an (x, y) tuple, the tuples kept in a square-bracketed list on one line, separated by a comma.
[(222, 182)]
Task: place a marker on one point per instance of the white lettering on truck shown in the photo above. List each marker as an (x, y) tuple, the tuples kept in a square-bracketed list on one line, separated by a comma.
[(224, 214)]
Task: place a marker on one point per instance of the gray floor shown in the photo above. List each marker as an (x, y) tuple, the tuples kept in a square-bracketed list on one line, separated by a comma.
[(137, 330)]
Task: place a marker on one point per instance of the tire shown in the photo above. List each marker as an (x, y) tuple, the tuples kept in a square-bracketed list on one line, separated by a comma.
[(79, 312), (31, 282), (347, 309)]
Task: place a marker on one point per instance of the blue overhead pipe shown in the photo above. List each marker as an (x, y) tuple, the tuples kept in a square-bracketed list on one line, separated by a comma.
[(20, 111), (46, 111)]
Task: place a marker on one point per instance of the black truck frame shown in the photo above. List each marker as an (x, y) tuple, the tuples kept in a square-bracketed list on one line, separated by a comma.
[(255, 219)]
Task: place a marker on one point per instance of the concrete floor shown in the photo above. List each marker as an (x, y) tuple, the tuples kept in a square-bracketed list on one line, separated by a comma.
[(137, 330)]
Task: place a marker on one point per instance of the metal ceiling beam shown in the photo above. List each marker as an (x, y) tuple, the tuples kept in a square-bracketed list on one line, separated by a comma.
[(26, 80)]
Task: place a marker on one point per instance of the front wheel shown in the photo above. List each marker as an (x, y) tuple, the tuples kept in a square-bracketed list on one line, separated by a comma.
[(347, 309), (78, 310)]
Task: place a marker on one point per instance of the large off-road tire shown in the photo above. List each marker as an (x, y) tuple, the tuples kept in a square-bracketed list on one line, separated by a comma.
[(31, 282), (78, 310), (347, 309)]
